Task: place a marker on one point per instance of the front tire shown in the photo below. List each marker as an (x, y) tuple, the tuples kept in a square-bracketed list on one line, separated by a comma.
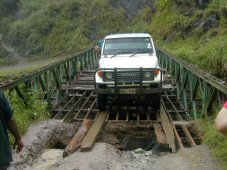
[(153, 100), (101, 102), (156, 101)]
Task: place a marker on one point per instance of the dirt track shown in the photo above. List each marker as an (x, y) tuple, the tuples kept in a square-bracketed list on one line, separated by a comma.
[(41, 138)]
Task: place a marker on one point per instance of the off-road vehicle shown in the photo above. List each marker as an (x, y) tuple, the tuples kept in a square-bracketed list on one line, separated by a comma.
[(128, 67)]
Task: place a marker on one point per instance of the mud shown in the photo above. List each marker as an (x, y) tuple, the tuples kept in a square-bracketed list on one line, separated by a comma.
[(46, 134), (43, 140), (128, 137)]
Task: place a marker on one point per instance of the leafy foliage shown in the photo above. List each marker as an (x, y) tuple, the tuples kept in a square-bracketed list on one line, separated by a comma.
[(34, 110)]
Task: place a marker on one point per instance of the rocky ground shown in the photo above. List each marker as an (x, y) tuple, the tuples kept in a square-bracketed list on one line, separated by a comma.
[(44, 143)]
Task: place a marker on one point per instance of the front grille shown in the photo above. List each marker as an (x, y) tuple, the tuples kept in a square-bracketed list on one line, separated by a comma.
[(129, 76), (124, 77)]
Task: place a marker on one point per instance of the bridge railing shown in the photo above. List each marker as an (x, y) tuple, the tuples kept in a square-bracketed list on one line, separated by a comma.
[(199, 92), (49, 80)]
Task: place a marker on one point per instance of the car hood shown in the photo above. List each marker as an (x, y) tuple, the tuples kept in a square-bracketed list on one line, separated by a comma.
[(125, 61)]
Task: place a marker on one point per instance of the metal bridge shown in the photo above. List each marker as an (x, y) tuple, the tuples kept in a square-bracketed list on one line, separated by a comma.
[(188, 93)]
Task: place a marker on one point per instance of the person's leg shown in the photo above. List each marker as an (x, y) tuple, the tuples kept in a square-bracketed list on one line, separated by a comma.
[(4, 167)]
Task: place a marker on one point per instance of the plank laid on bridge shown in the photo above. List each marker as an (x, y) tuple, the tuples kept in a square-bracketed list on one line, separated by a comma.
[(76, 140), (161, 138), (77, 87), (93, 133), (84, 83), (168, 129)]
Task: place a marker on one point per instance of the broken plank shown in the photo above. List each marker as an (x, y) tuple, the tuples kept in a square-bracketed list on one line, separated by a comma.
[(76, 141), (167, 128), (93, 133)]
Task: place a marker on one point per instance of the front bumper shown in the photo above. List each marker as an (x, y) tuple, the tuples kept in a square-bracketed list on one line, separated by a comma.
[(139, 87)]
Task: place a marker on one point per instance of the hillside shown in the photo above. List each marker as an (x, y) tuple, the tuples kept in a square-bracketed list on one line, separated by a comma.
[(193, 30)]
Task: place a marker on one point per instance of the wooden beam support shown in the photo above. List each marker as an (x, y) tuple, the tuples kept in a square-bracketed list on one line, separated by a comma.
[(161, 138), (189, 137), (93, 133), (75, 143), (168, 129)]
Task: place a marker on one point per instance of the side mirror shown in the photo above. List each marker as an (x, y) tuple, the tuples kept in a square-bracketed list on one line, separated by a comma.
[(97, 49)]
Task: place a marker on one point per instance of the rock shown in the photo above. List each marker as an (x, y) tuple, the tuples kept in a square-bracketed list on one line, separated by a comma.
[(189, 13), (211, 22), (148, 153), (132, 7), (139, 150)]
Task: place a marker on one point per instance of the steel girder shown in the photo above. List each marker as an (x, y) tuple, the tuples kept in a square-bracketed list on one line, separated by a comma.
[(48, 81), (199, 92)]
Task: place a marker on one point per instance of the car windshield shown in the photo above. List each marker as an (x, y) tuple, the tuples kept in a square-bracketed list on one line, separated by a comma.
[(136, 45)]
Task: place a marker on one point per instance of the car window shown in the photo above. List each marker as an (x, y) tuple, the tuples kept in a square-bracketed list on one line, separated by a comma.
[(128, 45)]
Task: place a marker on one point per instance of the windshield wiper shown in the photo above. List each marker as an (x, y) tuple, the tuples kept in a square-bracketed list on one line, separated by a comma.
[(132, 55), (120, 52), (113, 55)]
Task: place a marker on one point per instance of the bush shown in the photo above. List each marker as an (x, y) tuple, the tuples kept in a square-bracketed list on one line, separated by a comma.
[(34, 110), (163, 5)]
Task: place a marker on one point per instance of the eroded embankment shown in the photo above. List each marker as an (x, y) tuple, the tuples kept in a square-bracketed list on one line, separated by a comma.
[(118, 147), (43, 135)]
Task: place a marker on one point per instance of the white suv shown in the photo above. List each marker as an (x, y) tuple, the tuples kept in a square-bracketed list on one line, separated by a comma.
[(128, 66)]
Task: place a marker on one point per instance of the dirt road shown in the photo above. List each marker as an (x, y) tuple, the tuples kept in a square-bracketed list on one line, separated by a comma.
[(44, 140)]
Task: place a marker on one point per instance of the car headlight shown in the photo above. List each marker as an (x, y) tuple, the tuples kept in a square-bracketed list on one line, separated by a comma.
[(147, 75), (108, 76), (100, 73), (156, 71)]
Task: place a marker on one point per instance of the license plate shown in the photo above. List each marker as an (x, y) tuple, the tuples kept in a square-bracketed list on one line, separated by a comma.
[(128, 91)]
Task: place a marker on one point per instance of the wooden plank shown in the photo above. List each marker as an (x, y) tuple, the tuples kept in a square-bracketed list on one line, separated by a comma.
[(161, 138), (84, 82), (93, 133), (167, 128), (189, 137), (78, 87), (179, 142), (76, 140), (187, 123)]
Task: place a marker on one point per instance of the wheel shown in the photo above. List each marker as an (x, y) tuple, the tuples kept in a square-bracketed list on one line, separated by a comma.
[(153, 100), (101, 102), (156, 101)]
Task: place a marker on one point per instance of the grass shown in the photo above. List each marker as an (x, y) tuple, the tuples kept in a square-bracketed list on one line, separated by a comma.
[(216, 142), (35, 110), (206, 50)]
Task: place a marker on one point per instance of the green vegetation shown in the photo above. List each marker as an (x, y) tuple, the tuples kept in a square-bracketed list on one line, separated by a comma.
[(204, 45), (216, 141), (50, 28), (30, 67), (34, 110), (57, 27), (5, 58)]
